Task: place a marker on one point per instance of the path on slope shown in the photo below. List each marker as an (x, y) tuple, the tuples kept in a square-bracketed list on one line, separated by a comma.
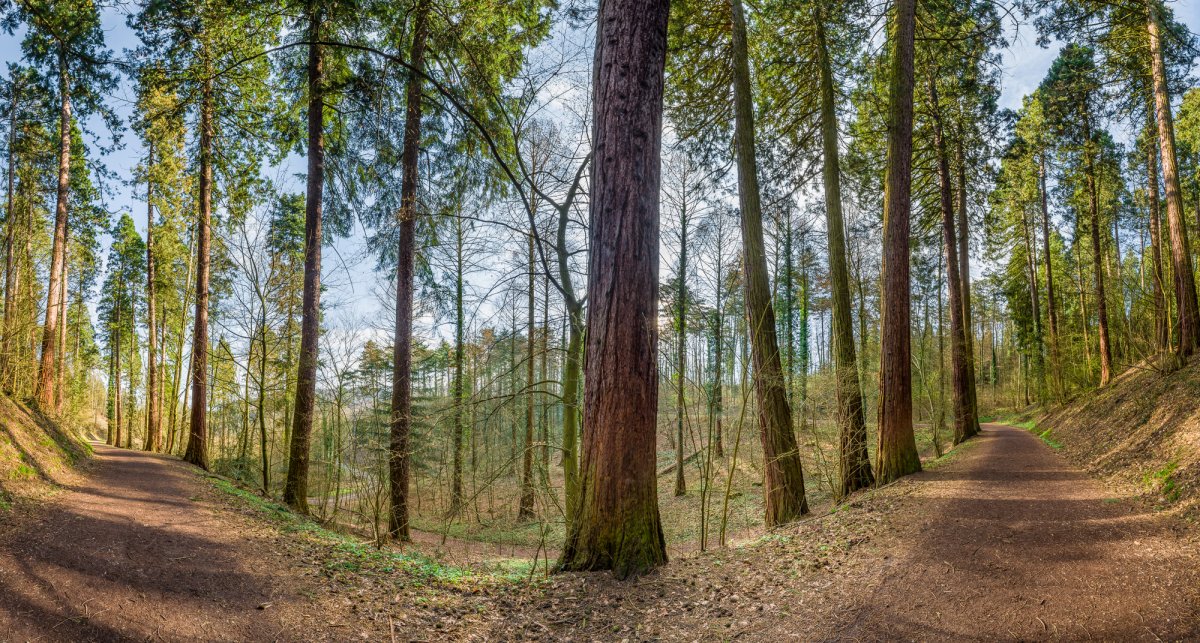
[(142, 552), (1012, 541)]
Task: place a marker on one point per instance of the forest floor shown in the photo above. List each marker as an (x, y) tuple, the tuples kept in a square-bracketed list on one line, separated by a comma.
[(1003, 539)]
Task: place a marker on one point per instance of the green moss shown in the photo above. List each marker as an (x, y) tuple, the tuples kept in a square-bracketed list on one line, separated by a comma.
[(1162, 481)]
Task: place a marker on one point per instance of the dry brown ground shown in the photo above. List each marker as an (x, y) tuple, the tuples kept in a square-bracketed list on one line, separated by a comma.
[(1005, 541)]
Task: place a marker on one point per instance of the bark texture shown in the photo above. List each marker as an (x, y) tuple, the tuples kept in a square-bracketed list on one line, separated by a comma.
[(398, 451), (783, 479), (295, 489), (617, 524), (854, 465), (896, 455)]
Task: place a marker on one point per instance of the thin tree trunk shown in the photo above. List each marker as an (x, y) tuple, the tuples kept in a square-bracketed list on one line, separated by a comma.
[(11, 277), (1097, 258), (1161, 322), (617, 526), (783, 484), (153, 423), (456, 479), (854, 465), (295, 489), (1051, 307), (681, 353), (525, 509), (960, 382), (401, 420), (897, 455), (964, 277)]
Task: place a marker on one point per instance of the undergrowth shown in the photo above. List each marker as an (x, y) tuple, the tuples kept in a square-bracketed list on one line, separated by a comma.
[(346, 555)]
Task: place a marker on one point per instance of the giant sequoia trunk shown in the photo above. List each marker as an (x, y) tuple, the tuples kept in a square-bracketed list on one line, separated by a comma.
[(197, 444), (854, 465), (896, 455), (295, 489), (1185, 285), (617, 523), (401, 421), (960, 382), (47, 376), (153, 414), (783, 484)]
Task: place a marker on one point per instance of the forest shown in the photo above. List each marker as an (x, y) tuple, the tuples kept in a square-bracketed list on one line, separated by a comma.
[(605, 283)]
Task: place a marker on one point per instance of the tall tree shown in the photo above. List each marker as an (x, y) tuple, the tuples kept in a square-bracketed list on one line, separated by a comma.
[(617, 526), (897, 455), (854, 466), (784, 478)]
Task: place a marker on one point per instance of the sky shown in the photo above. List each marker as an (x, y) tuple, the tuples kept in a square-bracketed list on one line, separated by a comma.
[(354, 287)]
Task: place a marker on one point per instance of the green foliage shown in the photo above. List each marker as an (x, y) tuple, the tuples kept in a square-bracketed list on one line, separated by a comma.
[(1162, 481)]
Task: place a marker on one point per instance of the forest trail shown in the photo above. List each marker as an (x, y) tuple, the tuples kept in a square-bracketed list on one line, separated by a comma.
[(1004, 541), (141, 552), (1011, 541)]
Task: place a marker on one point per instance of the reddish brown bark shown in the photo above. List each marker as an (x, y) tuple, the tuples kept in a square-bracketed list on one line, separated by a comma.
[(896, 455), (1185, 285), (617, 525), (47, 376), (197, 443), (295, 490), (960, 383), (398, 455)]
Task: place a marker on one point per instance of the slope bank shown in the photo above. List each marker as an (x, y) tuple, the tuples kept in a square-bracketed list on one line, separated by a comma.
[(1141, 432), (37, 455)]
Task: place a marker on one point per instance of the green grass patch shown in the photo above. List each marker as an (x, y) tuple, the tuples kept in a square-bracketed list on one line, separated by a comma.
[(1162, 481), (22, 472), (344, 554)]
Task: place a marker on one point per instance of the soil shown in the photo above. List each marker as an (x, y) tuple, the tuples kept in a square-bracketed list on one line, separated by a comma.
[(1004, 540)]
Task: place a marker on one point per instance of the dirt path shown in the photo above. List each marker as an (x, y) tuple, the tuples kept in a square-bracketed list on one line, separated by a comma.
[(1013, 542), (1007, 541), (142, 553)]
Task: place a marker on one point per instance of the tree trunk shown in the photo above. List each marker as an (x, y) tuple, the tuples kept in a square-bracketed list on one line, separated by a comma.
[(854, 465), (617, 526), (11, 277), (525, 509), (964, 277), (456, 478), (153, 424), (1161, 322), (295, 489), (197, 445), (1051, 307), (783, 485), (46, 369), (681, 353), (1185, 285), (401, 420), (960, 383), (1097, 257), (896, 455)]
